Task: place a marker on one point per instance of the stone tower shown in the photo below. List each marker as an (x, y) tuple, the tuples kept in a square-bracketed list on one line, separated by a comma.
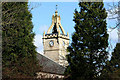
[(55, 42)]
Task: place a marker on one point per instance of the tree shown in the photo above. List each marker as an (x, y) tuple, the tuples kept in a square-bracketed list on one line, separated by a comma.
[(89, 42), (15, 10), (112, 68), (115, 59), (18, 51)]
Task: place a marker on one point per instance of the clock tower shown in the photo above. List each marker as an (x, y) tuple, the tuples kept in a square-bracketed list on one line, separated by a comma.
[(55, 41)]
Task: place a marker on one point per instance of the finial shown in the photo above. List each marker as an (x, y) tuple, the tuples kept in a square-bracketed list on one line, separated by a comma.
[(44, 34), (56, 12), (67, 34)]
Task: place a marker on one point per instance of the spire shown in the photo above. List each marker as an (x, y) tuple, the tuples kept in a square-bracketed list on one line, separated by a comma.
[(55, 28), (56, 24)]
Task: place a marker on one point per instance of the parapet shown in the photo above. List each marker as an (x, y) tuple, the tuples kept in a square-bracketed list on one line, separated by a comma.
[(56, 35)]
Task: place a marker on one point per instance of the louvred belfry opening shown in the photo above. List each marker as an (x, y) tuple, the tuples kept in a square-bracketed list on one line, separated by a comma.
[(54, 29)]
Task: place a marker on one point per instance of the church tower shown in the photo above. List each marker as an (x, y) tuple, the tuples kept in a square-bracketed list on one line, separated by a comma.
[(55, 42)]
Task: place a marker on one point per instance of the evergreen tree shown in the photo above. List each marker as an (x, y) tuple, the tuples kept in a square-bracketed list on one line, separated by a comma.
[(115, 59), (89, 42), (112, 68), (18, 50)]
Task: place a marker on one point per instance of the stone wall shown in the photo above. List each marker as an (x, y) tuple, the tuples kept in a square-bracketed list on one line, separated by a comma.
[(48, 75)]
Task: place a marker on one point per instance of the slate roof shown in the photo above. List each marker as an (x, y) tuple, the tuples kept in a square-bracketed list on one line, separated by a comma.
[(50, 66)]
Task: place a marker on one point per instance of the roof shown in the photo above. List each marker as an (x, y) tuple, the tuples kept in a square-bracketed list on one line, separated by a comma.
[(50, 66)]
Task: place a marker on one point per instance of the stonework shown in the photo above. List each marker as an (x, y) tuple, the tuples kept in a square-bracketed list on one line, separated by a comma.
[(49, 75), (56, 42)]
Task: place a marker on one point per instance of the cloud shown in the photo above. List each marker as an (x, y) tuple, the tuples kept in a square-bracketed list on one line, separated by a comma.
[(38, 38), (113, 34), (113, 38), (38, 43), (43, 28)]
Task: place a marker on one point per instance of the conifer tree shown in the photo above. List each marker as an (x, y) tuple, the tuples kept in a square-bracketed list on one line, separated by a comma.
[(115, 59), (89, 42), (112, 68), (18, 50)]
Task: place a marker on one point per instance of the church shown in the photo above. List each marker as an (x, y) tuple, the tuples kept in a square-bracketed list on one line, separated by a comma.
[(55, 43)]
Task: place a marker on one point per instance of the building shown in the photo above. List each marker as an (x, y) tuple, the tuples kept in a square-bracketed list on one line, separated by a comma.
[(50, 69), (55, 42)]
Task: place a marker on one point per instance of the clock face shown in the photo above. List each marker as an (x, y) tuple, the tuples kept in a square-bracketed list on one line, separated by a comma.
[(51, 43)]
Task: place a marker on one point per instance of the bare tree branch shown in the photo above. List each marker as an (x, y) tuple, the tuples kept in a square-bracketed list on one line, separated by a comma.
[(114, 27), (9, 14)]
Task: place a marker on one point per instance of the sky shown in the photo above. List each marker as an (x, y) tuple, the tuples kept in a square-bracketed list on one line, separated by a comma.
[(42, 18)]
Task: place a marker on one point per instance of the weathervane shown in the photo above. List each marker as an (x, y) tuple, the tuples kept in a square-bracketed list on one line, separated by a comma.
[(56, 7)]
